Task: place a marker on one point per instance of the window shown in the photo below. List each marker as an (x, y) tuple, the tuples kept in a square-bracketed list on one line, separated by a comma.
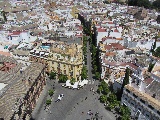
[(147, 115), (64, 71), (132, 103), (135, 96), (139, 109), (150, 107), (142, 101), (127, 90), (158, 112)]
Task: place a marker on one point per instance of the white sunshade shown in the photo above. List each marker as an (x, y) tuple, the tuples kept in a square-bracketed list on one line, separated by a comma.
[(32, 51), (68, 84), (41, 53), (37, 52), (75, 85), (84, 82), (46, 53)]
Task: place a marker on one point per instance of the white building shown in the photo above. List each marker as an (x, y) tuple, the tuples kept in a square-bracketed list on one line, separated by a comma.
[(142, 95)]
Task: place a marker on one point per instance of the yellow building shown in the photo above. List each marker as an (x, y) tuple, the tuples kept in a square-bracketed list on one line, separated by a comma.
[(66, 59)]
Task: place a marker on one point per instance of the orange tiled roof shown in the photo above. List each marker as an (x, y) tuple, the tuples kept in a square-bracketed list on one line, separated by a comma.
[(5, 53)]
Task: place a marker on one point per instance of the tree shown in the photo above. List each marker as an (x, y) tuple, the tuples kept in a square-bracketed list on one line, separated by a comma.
[(100, 89), (103, 98), (51, 92), (105, 90), (139, 3), (125, 113), (84, 73), (63, 78), (52, 75), (157, 52), (156, 4), (126, 78), (106, 2), (4, 15), (112, 98), (72, 81), (104, 84), (150, 67), (110, 106), (97, 75), (143, 3), (154, 45), (48, 102)]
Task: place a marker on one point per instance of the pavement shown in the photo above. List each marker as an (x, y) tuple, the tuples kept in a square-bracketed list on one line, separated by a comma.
[(74, 105)]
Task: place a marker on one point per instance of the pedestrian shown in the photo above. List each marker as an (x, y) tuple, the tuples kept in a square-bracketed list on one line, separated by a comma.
[(91, 89), (82, 113), (86, 98), (88, 113)]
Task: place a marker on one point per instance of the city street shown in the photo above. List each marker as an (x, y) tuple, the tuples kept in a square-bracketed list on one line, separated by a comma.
[(89, 64)]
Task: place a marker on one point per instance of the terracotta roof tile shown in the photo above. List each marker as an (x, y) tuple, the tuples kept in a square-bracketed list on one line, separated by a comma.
[(148, 81), (101, 30), (5, 53)]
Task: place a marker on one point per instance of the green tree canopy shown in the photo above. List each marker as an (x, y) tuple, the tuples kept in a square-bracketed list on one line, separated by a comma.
[(150, 67), (63, 78), (100, 89), (143, 3), (157, 52), (52, 75), (103, 88), (48, 102), (84, 73), (139, 3), (72, 81), (97, 75), (125, 112), (156, 4), (112, 98), (103, 98), (126, 78), (51, 92)]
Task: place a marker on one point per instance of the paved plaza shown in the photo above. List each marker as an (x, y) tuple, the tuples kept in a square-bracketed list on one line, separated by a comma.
[(74, 105)]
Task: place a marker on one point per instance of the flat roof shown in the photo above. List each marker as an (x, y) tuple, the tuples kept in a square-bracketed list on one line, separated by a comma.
[(151, 101)]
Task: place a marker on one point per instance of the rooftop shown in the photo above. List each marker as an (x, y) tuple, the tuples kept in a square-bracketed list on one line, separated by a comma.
[(18, 90), (144, 96)]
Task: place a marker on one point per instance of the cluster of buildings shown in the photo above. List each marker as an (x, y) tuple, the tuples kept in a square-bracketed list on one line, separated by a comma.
[(125, 36), (36, 38), (43, 36)]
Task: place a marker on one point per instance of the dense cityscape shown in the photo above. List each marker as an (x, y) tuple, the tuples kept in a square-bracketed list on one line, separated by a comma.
[(80, 60)]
